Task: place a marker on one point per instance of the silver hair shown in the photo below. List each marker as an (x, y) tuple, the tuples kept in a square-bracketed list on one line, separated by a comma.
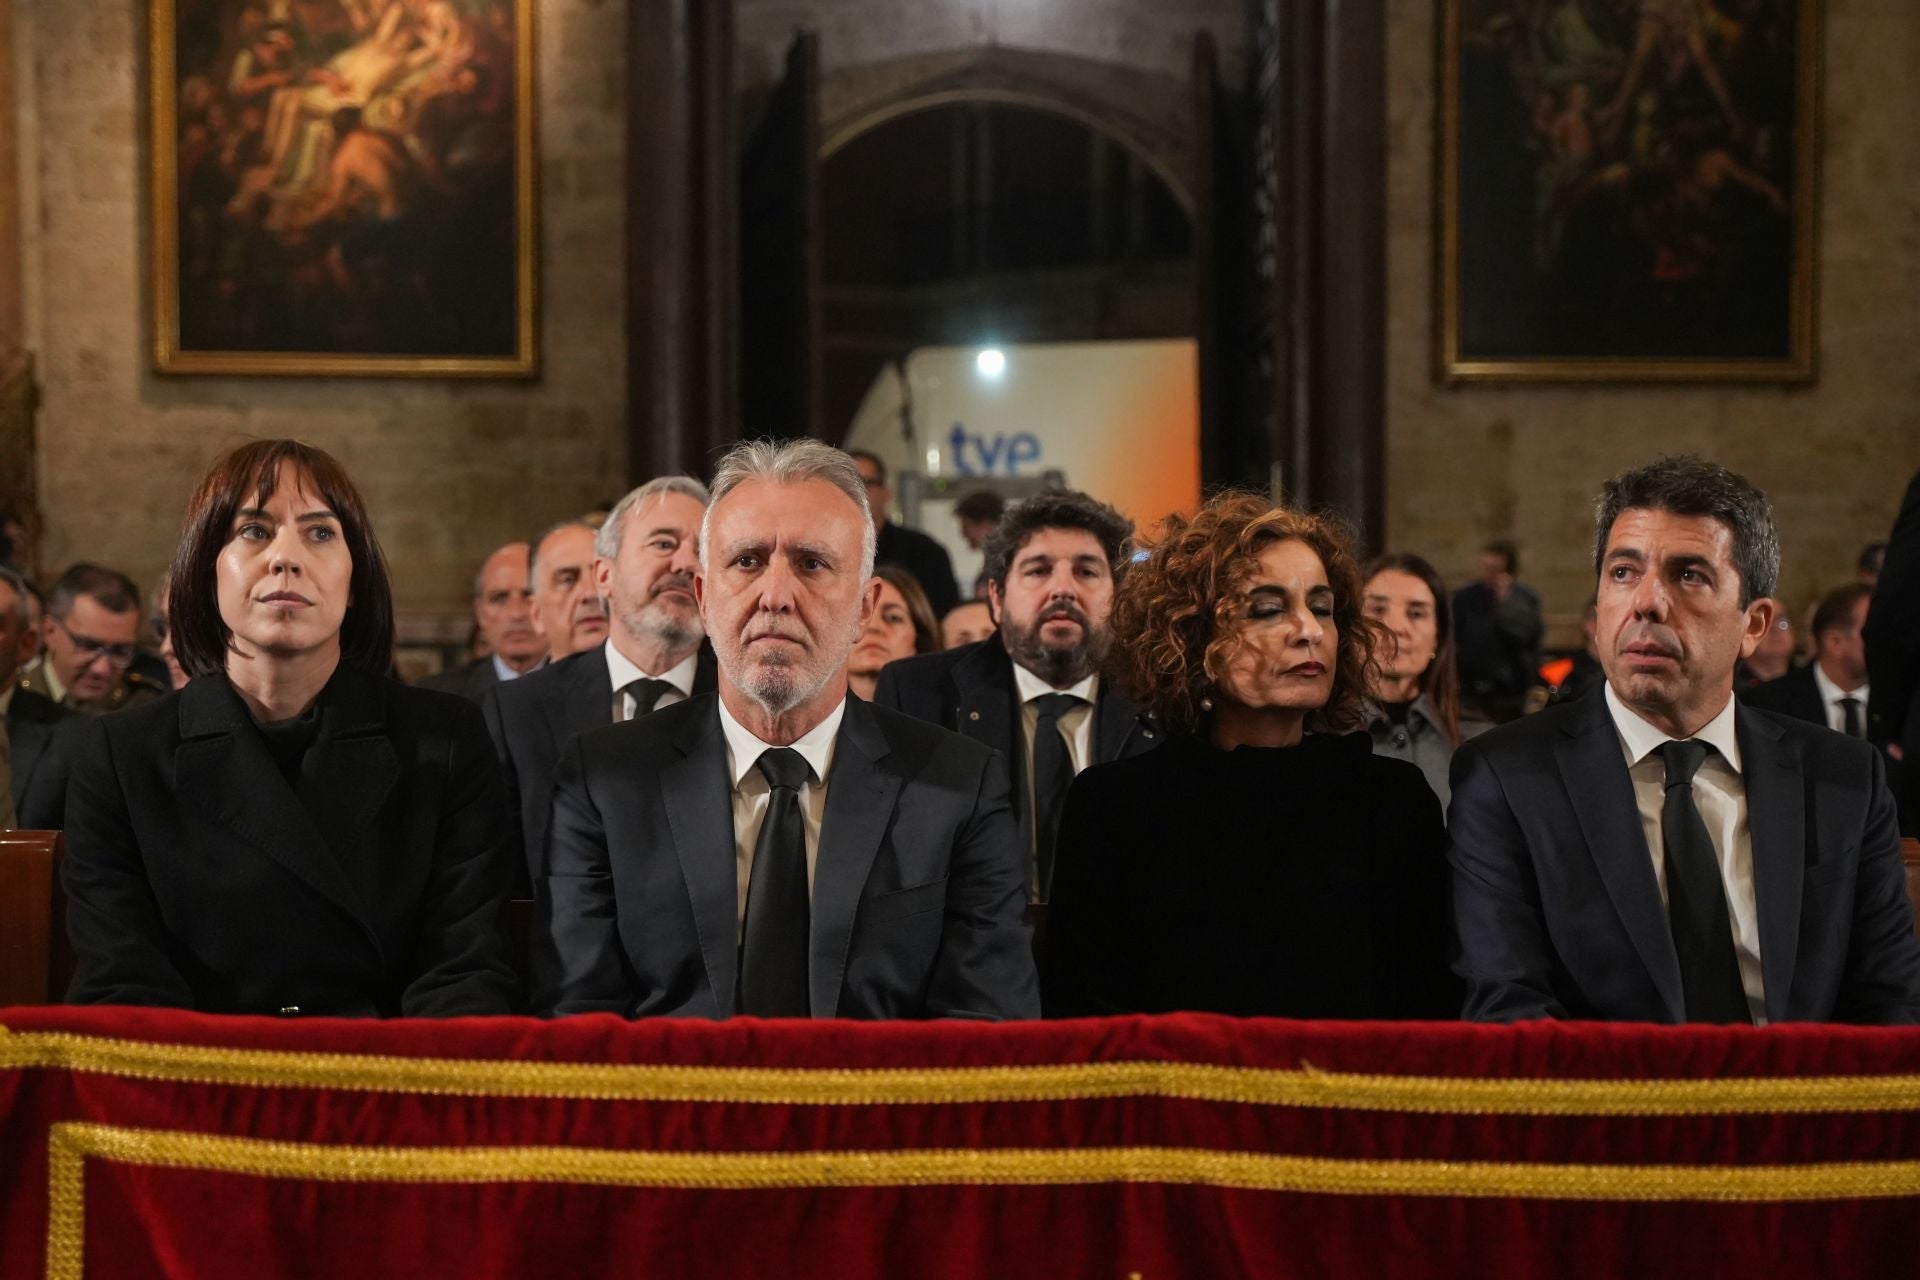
[(533, 548), (606, 543), (791, 462)]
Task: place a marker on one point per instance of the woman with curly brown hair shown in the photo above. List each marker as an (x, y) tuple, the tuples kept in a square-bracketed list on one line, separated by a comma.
[(1264, 861)]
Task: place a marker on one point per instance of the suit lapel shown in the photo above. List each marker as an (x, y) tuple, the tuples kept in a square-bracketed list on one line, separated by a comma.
[(222, 769), (860, 800), (586, 701), (352, 763), (698, 799), (1776, 822), (1116, 726), (985, 708), (1595, 774)]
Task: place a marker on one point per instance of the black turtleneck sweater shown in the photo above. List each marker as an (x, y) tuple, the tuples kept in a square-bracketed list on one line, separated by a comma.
[(1302, 882)]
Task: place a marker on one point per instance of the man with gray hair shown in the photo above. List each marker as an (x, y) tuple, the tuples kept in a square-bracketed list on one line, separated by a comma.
[(503, 615), (1662, 852), (644, 557), (780, 848)]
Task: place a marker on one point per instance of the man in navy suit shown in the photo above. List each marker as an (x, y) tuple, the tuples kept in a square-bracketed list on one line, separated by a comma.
[(1832, 689), (781, 848), (1659, 852)]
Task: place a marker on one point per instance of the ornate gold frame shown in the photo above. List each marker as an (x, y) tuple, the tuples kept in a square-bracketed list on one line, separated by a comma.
[(168, 355), (1800, 365)]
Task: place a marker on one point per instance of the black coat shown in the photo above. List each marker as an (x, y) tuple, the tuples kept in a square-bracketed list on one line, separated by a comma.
[(1559, 913), (532, 720), (971, 691), (470, 681), (921, 555), (918, 905), (1301, 882), (198, 878), (1892, 635), (39, 777), (1793, 694)]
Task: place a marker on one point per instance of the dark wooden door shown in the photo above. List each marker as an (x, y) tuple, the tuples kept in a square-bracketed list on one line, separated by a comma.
[(780, 384)]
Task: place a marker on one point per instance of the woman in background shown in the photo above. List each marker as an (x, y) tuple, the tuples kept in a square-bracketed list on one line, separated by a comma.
[(294, 832), (902, 625), (1413, 710)]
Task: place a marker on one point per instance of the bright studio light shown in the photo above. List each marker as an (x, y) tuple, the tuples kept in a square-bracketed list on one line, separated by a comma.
[(991, 363)]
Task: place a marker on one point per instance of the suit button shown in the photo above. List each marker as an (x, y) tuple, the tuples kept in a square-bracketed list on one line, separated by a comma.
[(973, 715), (289, 1010)]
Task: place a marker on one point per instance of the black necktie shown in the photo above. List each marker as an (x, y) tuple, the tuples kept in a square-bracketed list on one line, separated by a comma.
[(1052, 775), (1697, 898), (1850, 710), (646, 694), (773, 950)]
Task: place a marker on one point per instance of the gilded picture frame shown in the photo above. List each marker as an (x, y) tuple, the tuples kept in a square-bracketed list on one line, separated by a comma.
[(343, 188), (1627, 190)]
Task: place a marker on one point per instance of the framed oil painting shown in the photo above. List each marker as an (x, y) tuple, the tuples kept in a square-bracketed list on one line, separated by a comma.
[(1627, 189), (343, 187)]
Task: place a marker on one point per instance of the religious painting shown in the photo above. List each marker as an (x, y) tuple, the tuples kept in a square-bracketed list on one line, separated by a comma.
[(343, 187), (1627, 189)]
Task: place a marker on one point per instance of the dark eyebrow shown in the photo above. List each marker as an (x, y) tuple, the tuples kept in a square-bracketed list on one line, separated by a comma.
[(257, 513), (1690, 562), (1626, 553), (818, 550)]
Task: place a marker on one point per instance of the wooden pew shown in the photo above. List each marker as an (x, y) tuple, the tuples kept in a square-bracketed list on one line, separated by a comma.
[(35, 958), (1910, 854)]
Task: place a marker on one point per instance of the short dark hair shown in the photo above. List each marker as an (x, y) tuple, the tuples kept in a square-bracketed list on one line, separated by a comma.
[(874, 458), (981, 504), (1872, 556), (248, 475), (109, 588), (1507, 550), (1686, 485), (1056, 509), (1836, 607)]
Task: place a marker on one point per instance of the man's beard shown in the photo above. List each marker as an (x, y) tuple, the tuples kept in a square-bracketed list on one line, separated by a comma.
[(675, 628), (1058, 666), (780, 685)]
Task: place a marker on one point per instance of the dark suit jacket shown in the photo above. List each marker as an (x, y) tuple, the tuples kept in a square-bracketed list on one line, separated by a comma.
[(470, 681), (532, 720), (918, 900), (39, 777), (971, 691), (1559, 915), (1793, 694), (921, 555), (1893, 650), (197, 878)]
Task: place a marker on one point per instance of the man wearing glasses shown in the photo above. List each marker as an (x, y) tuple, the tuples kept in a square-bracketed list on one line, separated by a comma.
[(88, 644)]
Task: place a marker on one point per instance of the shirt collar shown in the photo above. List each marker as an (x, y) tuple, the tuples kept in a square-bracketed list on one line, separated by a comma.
[(503, 671), (815, 746), (1831, 693), (623, 672), (1640, 739), (1032, 686), (55, 690)]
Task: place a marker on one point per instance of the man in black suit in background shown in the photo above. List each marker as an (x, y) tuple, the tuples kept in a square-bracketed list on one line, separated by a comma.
[(1893, 652), (643, 566), (503, 613), (781, 848), (918, 553), (1031, 692), (1658, 851), (1832, 689), (38, 782)]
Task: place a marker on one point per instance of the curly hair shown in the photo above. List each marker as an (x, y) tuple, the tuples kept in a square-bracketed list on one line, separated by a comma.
[(1177, 614)]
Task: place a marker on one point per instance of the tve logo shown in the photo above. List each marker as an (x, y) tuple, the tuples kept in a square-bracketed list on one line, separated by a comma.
[(977, 455)]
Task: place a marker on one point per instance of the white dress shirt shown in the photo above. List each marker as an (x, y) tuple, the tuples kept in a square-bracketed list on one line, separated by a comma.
[(1721, 796), (504, 673), (1830, 695), (621, 673), (751, 793)]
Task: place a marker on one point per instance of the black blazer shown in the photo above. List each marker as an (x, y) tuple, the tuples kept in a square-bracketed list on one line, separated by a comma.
[(971, 691), (470, 681), (532, 720), (196, 877), (1559, 914), (1793, 694), (39, 777), (918, 899), (1892, 634)]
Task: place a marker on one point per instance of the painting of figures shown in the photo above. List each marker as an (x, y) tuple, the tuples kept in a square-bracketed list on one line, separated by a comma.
[(343, 186), (1627, 189)]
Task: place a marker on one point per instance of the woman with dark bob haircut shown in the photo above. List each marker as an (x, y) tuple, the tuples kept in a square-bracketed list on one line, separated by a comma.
[(294, 832), (1264, 860)]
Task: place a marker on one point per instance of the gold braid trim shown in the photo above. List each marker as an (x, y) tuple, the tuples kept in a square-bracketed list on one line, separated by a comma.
[(846, 1086)]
